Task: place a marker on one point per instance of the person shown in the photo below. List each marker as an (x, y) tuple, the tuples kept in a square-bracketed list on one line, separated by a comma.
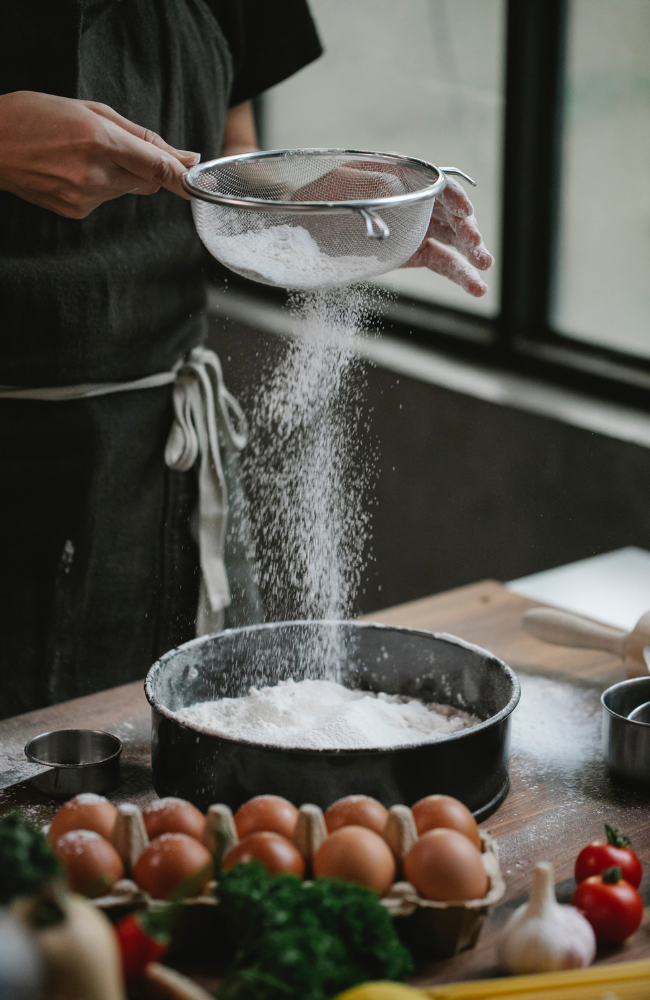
[(103, 106)]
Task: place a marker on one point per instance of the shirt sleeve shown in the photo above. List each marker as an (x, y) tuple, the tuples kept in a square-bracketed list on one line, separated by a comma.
[(269, 40)]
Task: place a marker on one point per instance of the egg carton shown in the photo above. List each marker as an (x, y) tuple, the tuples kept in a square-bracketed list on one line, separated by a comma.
[(430, 928)]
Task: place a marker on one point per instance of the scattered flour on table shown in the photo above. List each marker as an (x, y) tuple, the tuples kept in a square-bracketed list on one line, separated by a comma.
[(289, 256), (324, 715)]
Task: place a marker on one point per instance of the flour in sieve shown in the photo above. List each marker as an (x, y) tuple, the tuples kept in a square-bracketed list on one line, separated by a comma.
[(289, 256), (324, 715)]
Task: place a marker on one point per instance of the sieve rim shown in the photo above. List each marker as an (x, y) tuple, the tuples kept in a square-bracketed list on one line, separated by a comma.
[(320, 207)]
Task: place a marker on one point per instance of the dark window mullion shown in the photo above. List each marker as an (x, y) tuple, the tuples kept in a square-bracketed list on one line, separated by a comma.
[(536, 31)]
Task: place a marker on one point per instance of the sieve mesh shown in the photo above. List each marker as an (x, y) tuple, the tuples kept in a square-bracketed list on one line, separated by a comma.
[(306, 230)]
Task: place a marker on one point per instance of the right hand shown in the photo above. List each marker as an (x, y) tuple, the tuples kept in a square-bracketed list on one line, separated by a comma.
[(70, 156)]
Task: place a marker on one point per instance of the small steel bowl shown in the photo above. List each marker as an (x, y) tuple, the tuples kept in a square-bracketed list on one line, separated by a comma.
[(626, 743), (74, 761)]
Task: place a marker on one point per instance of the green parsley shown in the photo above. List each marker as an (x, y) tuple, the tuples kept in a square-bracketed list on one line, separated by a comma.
[(26, 861), (297, 941)]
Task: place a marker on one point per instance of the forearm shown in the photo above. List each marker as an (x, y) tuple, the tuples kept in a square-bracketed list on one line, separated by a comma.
[(239, 134)]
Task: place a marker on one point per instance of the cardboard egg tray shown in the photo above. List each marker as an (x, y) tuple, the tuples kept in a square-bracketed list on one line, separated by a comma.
[(429, 928)]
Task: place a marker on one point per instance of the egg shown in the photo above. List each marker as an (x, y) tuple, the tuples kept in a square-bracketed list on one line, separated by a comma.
[(442, 810), (444, 865), (92, 864), (170, 862), (266, 812), (171, 815), (84, 812), (356, 854), (276, 853), (356, 810)]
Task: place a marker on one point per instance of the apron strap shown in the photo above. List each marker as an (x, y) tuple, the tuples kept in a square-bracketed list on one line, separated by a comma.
[(61, 393), (205, 415)]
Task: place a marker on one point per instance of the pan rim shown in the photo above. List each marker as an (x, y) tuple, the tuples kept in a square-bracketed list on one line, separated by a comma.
[(491, 722)]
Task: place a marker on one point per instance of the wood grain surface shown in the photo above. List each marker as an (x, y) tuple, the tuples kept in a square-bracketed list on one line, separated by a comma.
[(560, 796)]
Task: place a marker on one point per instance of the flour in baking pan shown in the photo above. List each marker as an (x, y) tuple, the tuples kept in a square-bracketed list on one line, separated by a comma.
[(323, 715)]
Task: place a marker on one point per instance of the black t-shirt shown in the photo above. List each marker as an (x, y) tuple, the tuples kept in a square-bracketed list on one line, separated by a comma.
[(120, 294)]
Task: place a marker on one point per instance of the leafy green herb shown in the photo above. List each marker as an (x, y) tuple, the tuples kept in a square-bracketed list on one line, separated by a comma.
[(26, 861), (304, 942)]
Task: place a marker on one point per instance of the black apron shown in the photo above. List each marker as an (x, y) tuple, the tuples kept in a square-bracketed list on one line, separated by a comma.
[(99, 568)]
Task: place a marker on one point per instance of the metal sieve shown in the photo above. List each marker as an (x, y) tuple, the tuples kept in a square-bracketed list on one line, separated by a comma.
[(314, 218)]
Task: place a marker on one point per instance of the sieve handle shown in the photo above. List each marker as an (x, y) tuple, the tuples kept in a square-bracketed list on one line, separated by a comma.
[(459, 173), (371, 220)]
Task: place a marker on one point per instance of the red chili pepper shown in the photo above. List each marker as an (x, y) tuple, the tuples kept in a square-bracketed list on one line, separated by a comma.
[(139, 945)]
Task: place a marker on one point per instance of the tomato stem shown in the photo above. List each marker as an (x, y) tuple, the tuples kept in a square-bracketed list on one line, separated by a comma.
[(615, 837), (612, 875)]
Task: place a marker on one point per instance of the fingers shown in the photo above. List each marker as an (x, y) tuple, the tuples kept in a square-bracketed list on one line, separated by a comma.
[(455, 200), (146, 162), (450, 264), (463, 234), (189, 159)]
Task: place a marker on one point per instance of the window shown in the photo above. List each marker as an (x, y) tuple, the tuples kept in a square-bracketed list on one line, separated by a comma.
[(547, 104), (602, 292)]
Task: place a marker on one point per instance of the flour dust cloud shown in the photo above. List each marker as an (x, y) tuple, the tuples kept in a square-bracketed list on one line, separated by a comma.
[(309, 467)]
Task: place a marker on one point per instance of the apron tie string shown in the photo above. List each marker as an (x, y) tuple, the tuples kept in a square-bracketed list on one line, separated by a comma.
[(205, 413)]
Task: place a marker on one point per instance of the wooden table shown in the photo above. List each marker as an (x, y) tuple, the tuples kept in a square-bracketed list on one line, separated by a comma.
[(561, 794)]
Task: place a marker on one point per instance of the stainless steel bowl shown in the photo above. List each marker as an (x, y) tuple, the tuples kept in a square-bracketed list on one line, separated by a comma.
[(471, 765), (626, 742), (73, 761)]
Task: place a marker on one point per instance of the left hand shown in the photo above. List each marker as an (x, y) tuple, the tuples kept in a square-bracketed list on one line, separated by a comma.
[(453, 246)]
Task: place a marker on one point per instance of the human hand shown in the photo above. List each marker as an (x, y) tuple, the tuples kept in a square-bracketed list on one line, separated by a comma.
[(453, 246), (70, 156)]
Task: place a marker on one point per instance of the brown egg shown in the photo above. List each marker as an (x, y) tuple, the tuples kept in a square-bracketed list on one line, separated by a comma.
[(356, 810), (173, 861), (172, 815), (84, 812), (276, 853), (441, 810), (92, 865), (444, 865), (356, 854), (266, 812)]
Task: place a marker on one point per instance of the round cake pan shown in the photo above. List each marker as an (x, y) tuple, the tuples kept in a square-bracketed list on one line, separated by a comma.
[(471, 765)]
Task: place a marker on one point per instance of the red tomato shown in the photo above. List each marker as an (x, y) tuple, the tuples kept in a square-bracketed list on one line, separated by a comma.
[(596, 857), (138, 946), (612, 906), (276, 853)]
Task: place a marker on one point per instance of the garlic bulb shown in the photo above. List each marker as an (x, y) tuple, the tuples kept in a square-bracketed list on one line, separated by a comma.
[(542, 935)]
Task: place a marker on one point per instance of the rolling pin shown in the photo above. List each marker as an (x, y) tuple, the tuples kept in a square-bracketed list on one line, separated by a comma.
[(564, 629)]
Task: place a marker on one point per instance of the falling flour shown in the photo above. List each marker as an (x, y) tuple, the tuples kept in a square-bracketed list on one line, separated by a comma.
[(290, 257), (324, 715), (310, 469)]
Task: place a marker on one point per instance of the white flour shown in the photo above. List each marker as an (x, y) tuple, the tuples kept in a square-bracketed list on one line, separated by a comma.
[(323, 715), (309, 469), (289, 256)]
